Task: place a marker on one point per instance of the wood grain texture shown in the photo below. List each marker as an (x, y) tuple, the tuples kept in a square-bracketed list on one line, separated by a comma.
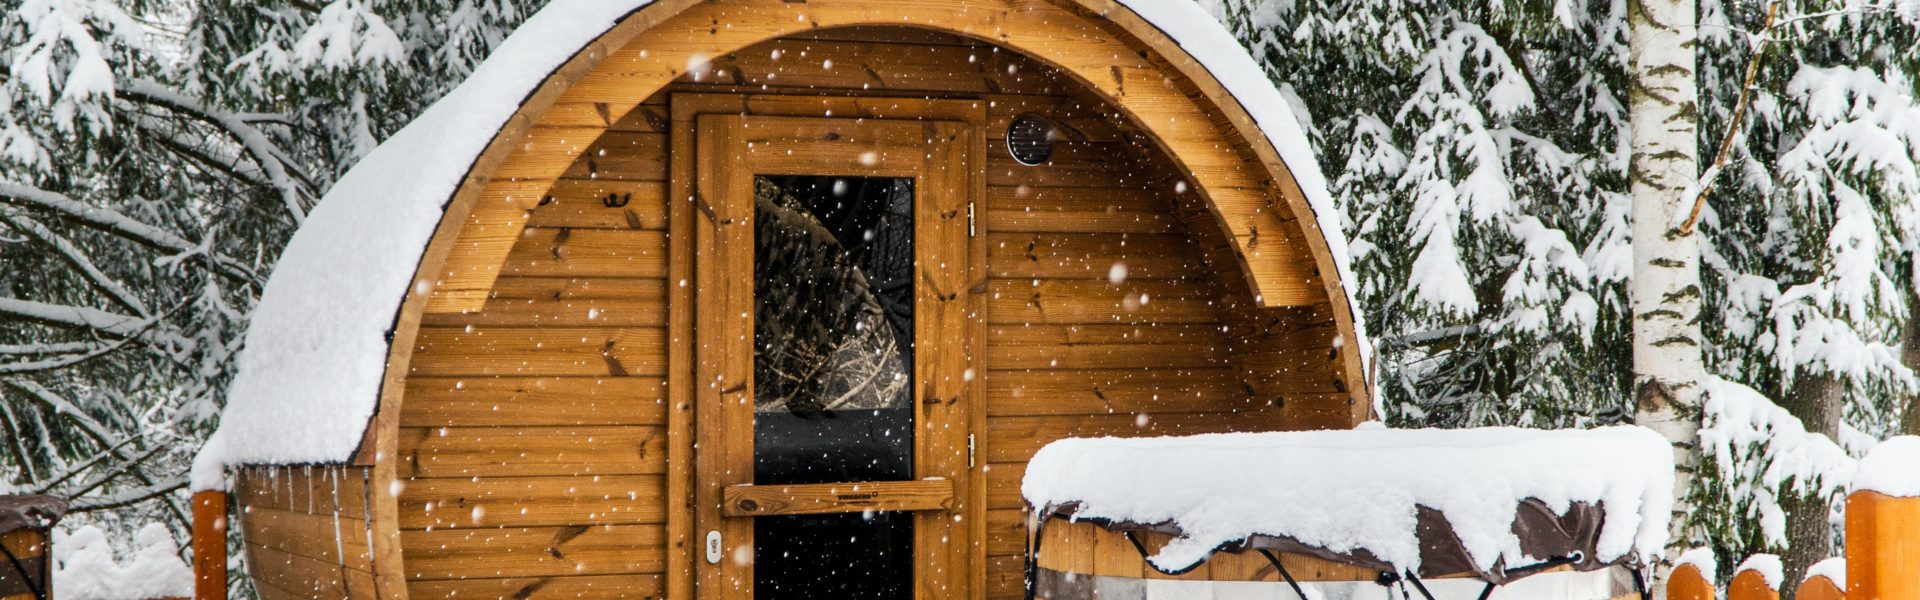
[(749, 500), (1819, 588), (1751, 585), (559, 289), (1687, 583), (1883, 545)]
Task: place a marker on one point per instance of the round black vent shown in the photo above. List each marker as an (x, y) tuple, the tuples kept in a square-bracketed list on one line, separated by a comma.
[(1030, 139)]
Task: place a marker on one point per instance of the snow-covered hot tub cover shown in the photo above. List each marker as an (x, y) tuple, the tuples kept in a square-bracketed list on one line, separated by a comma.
[(309, 376), (1430, 501)]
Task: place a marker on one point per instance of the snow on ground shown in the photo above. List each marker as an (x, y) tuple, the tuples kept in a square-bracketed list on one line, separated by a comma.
[(1358, 490), (309, 376), (85, 568), (1893, 468)]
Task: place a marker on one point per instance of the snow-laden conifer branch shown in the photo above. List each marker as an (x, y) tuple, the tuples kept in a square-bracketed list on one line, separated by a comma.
[(46, 348), (129, 497), (106, 219), (32, 366), (79, 260), (74, 317), (264, 151), (114, 222), (99, 432)]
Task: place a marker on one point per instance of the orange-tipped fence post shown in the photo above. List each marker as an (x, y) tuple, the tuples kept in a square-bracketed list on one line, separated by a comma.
[(1883, 546), (1757, 579), (210, 545), (1819, 587), (1686, 582), (1883, 523)]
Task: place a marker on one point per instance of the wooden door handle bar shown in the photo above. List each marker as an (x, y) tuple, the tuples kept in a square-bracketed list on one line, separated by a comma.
[(824, 498)]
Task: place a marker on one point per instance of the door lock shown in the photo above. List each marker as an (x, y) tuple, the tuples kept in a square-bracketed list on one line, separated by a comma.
[(713, 547)]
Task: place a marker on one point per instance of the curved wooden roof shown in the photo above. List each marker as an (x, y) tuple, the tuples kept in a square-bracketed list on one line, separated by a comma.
[(333, 333)]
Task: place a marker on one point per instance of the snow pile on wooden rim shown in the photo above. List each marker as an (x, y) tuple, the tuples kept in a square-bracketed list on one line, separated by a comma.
[(1361, 490), (309, 377)]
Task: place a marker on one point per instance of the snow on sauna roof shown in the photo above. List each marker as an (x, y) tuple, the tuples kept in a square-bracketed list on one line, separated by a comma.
[(1357, 491), (309, 377)]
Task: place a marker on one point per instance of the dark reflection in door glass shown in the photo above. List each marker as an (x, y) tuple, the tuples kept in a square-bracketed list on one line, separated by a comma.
[(833, 378)]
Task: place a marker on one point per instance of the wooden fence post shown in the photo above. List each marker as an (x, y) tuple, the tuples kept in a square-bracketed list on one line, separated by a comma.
[(1819, 587), (1758, 578), (1686, 582), (1883, 546), (210, 545)]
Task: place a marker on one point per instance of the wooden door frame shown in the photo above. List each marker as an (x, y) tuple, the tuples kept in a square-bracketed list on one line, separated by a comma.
[(955, 549)]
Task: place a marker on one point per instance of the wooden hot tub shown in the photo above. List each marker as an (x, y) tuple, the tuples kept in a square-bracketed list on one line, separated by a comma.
[(1078, 560)]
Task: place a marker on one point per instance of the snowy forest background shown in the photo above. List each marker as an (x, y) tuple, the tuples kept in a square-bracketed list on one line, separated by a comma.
[(155, 155)]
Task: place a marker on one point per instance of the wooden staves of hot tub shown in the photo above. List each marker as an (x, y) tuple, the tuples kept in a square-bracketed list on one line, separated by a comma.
[(1083, 560)]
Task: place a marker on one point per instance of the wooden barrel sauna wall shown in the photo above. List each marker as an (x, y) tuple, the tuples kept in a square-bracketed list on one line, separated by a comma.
[(533, 417), (542, 416)]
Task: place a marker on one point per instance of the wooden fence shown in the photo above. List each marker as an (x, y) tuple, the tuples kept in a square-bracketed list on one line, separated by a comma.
[(1882, 560)]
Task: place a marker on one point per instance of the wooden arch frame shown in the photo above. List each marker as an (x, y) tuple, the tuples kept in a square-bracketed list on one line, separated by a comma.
[(1104, 46)]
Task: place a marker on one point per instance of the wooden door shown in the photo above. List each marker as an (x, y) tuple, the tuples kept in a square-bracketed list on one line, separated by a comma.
[(831, 333)]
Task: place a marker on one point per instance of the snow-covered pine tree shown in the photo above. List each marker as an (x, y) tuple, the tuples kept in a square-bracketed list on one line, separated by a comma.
[(154, 158), (1808, 238), (1478, 153)]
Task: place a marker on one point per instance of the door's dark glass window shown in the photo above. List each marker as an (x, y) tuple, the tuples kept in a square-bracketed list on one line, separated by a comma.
[(833, 378)]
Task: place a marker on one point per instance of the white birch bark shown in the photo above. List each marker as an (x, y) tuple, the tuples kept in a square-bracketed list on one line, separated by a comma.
[(1667, 361)]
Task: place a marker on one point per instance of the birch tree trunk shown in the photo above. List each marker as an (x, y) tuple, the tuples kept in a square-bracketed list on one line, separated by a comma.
[(1667, 362)]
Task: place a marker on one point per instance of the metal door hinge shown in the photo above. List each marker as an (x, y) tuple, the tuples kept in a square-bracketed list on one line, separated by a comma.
[(970, 451), (971, 231)]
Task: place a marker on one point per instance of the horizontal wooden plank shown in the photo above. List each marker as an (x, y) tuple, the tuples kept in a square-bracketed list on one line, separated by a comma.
[(1006, 577), (531, 451), (574, 288), (1077, 117), (827, 498), (1026, 334), (576, 351), (474, 401), (819, 64), (640, 311), (533, 501), (303, 489), (602, 204), (1003, 484), (306, 577), (534, 551), (1107, 356), (1092, 256), (1021, 301), (1015, 439), (622, 156), (1006, 532), (331, 539), (1130, 391), (587, 253), (587, 587), (1016, 209)]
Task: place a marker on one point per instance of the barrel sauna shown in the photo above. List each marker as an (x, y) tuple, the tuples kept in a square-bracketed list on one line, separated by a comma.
[(670, 295)]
